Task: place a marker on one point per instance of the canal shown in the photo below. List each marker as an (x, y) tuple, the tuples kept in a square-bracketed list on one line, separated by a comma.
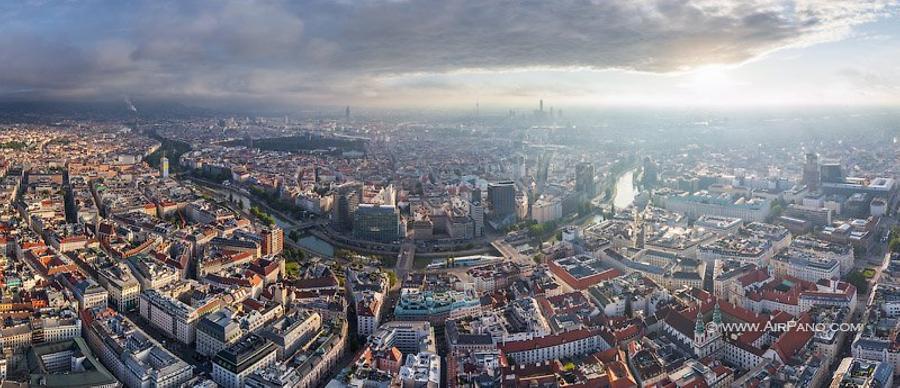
[(625, 190)]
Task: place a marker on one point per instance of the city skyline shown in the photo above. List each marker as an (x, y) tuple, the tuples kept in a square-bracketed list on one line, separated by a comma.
[(450, 193), (453, 55)]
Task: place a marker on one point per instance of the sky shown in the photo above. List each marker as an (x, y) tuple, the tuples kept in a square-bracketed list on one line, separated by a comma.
[(500, 54)]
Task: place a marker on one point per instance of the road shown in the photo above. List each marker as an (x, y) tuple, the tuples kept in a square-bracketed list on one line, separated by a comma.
[(405, 260), (510, 253)]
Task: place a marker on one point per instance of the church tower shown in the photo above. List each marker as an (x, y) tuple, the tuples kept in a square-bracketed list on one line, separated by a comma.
[(638, 229), (708, 341)]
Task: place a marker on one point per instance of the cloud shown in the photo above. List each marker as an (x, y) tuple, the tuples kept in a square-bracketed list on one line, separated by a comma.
[(870, 83), (319, 51)]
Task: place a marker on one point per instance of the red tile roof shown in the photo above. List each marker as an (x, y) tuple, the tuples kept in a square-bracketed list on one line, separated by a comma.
[(546, 341)]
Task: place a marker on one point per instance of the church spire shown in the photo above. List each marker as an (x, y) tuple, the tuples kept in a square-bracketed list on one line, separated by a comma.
[(699, 327), (717, 314)]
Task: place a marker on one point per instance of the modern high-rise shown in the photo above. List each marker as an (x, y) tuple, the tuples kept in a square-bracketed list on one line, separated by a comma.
[(811, 172), (584, 180), (502, 197), (164, 167), (376, 222), (346, 200), (831, 172), (476, 212), (272, 241)]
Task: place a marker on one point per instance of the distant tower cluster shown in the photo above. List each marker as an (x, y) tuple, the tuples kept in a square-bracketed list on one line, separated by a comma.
[(551, 114)]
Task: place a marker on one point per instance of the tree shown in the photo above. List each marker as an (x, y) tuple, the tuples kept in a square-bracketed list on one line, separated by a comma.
[(292, 254), (536, 230), (894, 245), (857, 279), (263, 216), (775, 210)]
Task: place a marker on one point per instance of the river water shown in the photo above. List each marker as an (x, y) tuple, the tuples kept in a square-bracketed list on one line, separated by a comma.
[(625, 190), (247, 203), (309, 242)]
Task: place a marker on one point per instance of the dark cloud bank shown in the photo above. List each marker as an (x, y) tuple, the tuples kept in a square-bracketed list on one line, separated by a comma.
[(324, 51)]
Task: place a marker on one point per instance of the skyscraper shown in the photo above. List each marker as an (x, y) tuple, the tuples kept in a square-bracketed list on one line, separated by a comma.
[(346, 200), (476, 212), (164, 167), (811, 172), (272, 241), (584, 180), (831, 172), (376, 222), (502, 197), (543, 171)]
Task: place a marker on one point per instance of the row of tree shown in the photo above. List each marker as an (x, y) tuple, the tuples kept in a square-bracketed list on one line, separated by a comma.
[(262, 215)]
